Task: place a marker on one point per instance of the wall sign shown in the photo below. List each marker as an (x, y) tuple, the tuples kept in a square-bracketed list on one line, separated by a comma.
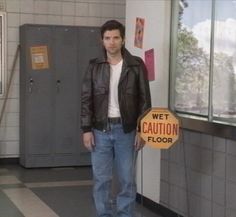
[(39, 57), (149, 61), (139, 31)]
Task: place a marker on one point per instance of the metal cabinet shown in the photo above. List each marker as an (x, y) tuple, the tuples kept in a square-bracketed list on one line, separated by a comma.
[(52, 61)]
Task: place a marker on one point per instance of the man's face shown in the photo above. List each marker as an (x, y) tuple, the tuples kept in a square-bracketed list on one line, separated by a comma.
[(112, 42)]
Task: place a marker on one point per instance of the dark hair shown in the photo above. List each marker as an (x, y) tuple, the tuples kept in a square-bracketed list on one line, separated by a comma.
[(113, 25)]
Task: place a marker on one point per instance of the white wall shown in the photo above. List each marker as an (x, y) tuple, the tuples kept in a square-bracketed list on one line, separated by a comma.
[(65, 12), (92, 12), (156, 35)]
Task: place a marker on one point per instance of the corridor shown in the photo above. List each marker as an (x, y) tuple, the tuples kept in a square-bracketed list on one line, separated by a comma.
[(49, 192)]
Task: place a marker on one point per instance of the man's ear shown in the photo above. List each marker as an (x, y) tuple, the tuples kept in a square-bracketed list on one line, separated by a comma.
[(101, 41)]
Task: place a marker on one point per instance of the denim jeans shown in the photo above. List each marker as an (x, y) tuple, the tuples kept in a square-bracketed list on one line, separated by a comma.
[(114, 147)]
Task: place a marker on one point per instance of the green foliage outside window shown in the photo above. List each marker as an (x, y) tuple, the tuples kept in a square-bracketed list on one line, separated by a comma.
[(192, 86)]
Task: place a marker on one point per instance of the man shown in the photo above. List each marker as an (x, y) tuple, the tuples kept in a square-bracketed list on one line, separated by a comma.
[(115, 93)]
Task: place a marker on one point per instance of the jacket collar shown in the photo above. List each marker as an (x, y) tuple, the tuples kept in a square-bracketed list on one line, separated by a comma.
[(128, 59)]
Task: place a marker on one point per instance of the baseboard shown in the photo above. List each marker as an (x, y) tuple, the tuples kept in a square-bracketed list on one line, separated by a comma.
[(155, 207), (4, 161)]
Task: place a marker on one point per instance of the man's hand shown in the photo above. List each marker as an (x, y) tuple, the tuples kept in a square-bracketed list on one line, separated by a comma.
[(88, 140), (139, 142)]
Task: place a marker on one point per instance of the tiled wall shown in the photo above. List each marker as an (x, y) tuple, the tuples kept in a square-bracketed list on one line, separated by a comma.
[(198, 176), (65, 12)]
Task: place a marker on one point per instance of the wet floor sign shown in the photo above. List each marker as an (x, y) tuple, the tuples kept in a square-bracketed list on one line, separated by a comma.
[(159, 128)]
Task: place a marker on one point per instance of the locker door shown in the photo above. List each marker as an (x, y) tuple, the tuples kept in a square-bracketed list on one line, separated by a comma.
[(89, 47), (50, 96), (66, 94), (38, 98)]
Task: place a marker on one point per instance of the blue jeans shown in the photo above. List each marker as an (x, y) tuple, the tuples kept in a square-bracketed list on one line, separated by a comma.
[(114, 146)]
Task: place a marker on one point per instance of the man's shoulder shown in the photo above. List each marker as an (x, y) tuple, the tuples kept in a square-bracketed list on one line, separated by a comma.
[(92, 61), (138, 59), (97, 60), (134, 60), (131, 59)]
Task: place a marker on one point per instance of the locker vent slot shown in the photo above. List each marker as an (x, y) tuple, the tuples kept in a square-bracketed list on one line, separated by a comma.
[(2, 5)]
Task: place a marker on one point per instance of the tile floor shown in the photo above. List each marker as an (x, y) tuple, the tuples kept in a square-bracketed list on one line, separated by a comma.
[(49, 192)]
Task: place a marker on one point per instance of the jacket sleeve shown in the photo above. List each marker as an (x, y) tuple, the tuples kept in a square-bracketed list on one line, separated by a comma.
[(86, 100), (144, 91)]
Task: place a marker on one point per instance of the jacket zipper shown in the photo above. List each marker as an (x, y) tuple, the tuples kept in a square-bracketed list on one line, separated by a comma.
[(107, 123), (121, 112)]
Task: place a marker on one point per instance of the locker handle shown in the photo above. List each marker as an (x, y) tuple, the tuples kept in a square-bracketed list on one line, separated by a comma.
[(58, 85), (31, 83)]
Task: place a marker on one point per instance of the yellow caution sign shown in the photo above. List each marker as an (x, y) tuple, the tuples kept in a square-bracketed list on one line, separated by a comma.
[(159, 128)]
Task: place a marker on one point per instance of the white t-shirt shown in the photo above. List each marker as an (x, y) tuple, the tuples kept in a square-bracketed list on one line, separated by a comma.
[(113, 106)]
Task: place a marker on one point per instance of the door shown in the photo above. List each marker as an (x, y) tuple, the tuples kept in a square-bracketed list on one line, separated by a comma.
[(66, 85), (38, 97)]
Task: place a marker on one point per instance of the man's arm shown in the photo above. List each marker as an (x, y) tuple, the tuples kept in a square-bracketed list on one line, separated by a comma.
[(144, 101), (86, 100), (144, 89), (87, 109), (88, 140)]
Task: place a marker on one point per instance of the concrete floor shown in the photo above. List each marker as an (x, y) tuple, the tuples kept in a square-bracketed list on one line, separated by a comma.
[(49, 192)]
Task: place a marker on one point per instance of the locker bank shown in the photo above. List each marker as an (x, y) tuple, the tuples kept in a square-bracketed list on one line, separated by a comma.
[(189, 49)]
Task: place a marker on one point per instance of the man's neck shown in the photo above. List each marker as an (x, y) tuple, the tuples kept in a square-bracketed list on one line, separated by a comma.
[(114, 59)]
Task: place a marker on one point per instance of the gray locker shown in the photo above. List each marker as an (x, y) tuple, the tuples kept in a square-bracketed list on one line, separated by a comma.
[(52, 62)]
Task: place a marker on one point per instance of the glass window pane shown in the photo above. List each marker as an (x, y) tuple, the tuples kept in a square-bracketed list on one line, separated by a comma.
[(1, 62), (193, 57), (224, 72)]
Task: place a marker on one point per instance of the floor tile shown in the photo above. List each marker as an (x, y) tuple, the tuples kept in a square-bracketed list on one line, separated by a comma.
[(9, 180), (51, 174), (28, 203), (50, 192), (70, 201), (58, 184), (3, 171), (7, 208)]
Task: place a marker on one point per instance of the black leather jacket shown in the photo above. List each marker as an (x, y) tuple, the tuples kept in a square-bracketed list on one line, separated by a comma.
[(133, 93)]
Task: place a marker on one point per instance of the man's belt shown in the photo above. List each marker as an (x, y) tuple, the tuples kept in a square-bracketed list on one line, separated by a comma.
[(116, 120)]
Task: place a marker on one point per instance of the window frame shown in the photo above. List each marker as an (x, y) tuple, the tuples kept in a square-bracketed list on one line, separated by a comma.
[(3, 53), (219, 127)]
